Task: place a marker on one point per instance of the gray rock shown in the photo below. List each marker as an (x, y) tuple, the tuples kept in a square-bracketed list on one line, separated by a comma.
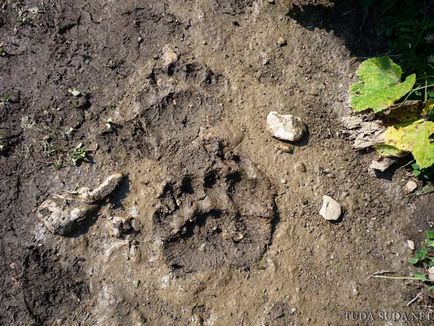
[(331, 210), (364, 133), (410, 186), (410, 244), (382, 165), (285, 127)]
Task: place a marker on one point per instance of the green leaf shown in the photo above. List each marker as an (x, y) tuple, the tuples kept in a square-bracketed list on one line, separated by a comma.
[(380, 85), (420, 276), (430, 288), (421, 254), (413, 261), (429, 234), (423, 150), (416, 173), (429, 243), (413, 137)]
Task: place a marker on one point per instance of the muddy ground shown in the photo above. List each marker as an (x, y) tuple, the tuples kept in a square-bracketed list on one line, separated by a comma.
[(213, 224)]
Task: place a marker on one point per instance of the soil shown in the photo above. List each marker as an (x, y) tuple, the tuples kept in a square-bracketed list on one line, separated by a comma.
[(214, 223)]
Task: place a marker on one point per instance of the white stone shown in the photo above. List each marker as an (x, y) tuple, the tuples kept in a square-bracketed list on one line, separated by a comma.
[(285, 127), (431, 273), (382, 165), (410, 244), (331, 210), (410, 186)]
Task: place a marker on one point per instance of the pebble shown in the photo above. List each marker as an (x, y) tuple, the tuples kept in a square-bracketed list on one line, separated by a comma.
[(410, 186), (431, 273), (281, 41), (410, 244), (169, 56), (300, 167), (382, 165), (331, 210), (285, 127), (285, 148)]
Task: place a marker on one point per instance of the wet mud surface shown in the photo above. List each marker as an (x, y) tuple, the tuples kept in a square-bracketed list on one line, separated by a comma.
[(213, 224)]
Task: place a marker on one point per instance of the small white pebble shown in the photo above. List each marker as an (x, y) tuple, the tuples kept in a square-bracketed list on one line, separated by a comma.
[(410, 244)]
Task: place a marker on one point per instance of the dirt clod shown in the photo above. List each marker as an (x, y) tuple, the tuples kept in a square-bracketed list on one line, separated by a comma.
[(65, 213)]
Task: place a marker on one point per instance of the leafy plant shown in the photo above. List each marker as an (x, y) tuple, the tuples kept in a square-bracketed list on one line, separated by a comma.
[(5, 99), (379, 88), (406, 34), (3, 52), (380, 85), (424, 257), (413, 137), (79, 154), (58, 164)]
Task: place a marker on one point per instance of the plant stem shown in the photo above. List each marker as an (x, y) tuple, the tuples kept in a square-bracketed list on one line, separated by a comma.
[(398, 277), (414, 90)]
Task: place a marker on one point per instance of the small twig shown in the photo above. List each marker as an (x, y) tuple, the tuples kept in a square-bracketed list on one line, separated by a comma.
[(398, 277), (414, 299), (379, 273), (409, 163)]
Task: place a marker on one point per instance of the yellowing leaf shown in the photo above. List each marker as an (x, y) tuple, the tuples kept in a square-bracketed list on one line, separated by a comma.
[(384, 150), (380, 85), (413, 137), (428, 110)]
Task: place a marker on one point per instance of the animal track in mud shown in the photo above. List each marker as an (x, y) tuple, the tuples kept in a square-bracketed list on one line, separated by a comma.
[(174, 105), (217, 209), (176, 121), (50, 290)]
